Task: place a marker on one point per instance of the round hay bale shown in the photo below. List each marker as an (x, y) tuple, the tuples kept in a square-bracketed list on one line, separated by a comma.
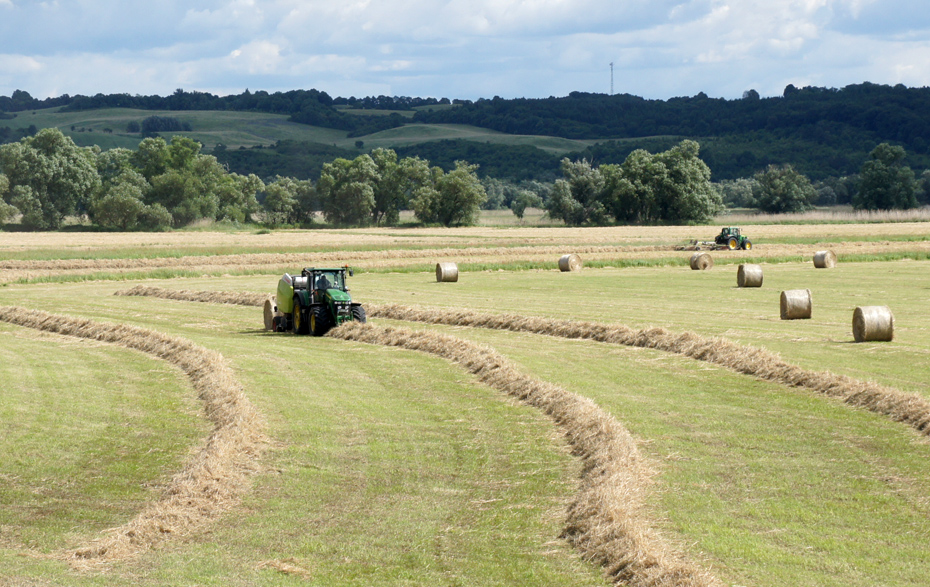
[(795, 304), (447, 272), (873, 323), (824, 259), (269, 314), (701, 261), (571, 262), (749, 275)]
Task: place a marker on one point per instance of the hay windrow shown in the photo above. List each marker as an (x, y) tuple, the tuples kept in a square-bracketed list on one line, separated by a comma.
[(213, 480), (907, 408), (237, 298), (606, 522)]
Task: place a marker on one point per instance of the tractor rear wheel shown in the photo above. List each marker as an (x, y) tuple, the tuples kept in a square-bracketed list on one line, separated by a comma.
[(300, 319), (320, 322), (358, 314), (732, 243)]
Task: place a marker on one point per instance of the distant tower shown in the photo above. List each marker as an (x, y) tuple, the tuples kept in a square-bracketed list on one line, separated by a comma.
[(611, 78)]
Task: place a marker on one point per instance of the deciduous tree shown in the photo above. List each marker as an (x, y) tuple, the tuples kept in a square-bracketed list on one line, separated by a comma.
[(346, 190), (51, 177), (886, 182), (454, 199), (781, 189)]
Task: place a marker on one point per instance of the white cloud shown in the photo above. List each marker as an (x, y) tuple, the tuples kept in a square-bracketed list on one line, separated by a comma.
[(461, 48)]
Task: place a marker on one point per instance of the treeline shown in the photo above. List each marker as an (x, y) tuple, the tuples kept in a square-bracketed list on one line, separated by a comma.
[(46, 178), (896, 113)]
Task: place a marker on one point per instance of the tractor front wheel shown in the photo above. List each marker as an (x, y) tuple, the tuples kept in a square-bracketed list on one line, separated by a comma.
[(319, 321), (358, 314), (747, 244)]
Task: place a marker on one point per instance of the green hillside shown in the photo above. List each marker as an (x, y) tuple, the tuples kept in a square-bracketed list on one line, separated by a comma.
[(107, 128)]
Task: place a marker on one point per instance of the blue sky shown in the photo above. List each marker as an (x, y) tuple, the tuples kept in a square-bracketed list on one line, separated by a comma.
[(460, 48)]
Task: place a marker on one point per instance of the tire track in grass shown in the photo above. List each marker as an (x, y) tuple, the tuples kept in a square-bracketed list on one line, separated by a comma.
[(607, 522), (212, 481)]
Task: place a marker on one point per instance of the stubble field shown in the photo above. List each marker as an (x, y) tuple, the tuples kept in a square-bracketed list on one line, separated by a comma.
[(368, 463)]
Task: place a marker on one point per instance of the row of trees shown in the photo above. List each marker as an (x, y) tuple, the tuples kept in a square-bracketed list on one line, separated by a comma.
[(885, 182), (47, 178)]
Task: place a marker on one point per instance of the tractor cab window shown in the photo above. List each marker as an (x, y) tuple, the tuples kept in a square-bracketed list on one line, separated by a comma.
[(328, 280)]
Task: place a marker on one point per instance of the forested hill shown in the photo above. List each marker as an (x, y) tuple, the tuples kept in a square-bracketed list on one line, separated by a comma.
[(896, 113), (822, 132)]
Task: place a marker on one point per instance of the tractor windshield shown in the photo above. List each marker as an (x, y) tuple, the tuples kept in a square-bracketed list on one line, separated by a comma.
[(328, 280)]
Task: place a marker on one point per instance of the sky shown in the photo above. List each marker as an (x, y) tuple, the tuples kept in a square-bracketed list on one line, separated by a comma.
[(466, 49)]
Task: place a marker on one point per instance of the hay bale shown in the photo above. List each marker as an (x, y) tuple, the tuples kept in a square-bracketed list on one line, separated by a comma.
[(824, 259), (749, 275), (795, 304), (701, 261), (447, 272), (270, 308), (873, 323), (570, 262)]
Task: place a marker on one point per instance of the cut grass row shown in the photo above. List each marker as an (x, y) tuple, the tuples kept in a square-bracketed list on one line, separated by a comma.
[(213, 480)]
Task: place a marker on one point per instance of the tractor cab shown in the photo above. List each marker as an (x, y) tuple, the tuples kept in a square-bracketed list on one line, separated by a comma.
[(322, 280)]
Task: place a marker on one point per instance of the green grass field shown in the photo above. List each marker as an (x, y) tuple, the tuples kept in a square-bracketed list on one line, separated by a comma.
[(393, 467)]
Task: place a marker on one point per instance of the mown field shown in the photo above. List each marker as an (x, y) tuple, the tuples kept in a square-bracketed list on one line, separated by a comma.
[(382, 465)]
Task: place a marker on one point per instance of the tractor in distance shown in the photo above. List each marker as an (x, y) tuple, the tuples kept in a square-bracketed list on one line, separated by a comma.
[(729, 238), (315, 301)]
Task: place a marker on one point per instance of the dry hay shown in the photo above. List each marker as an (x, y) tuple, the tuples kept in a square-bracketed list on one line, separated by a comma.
[(606, 522), (570, 262), (796, 304), (749, 275), (447, 272), (286, 567), (237, 298), (701, 261), (908, 408), (213, 480), (873, 323), (824, 259)]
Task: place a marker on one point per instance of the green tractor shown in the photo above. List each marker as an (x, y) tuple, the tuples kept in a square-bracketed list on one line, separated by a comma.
[(315, 301), (731, 238)]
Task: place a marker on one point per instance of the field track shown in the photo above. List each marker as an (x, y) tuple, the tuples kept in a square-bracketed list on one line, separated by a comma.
[(213, 480), (910, 409)]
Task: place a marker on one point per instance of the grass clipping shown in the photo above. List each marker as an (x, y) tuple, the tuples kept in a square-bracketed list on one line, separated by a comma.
[(606, 522), (215, 478)]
